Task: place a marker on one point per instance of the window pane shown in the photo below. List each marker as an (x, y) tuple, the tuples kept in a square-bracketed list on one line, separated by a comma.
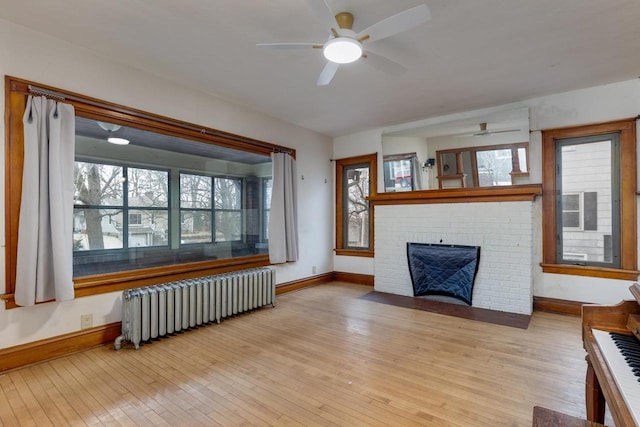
[(148, 228), (148, 187), (571, 219), (570, 202), (522, 158), (494, 167), (449, 164), (268, 186), (357, 190), (98, 184), (195, 191), (587, 213), (96, 229), (266, 224), (228, 226), (228, 193), (398, 175), (195, 227)]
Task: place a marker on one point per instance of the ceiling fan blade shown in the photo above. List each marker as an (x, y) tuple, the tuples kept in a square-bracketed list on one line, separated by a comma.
[(283, 46), (383, 63), (322, 10), (485, 133), (327, 73), (503, 131), (397, 23)]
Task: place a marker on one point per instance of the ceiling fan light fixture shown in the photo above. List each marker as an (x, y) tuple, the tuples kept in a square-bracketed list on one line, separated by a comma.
[(342, 50), (117, 141)]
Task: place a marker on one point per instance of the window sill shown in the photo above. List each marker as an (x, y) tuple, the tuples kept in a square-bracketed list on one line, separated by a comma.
[(589, 271), (354, 252), (113, 282)]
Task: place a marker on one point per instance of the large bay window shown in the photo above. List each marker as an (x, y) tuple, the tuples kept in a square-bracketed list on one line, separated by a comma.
[(178, 201)]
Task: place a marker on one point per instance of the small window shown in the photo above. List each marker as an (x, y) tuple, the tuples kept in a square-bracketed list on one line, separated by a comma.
[(399, 172), (572, 211), (355, 181), (135, 218)]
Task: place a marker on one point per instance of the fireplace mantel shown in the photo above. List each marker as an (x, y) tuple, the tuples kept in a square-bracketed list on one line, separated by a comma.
[(512, 193)]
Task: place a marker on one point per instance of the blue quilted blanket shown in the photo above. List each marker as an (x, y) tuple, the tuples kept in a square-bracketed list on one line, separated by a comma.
[(443, 269)]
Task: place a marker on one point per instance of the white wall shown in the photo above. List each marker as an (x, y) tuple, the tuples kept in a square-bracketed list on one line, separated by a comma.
[(32, 56), (599, 104)]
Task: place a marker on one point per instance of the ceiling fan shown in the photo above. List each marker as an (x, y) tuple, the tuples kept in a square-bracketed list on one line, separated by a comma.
[(345, 45), (484, 131)]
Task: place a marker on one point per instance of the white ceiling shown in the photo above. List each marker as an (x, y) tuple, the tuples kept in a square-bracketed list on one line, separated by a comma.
[(471, 54)]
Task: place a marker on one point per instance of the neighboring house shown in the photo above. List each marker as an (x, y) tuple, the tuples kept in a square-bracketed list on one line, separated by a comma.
[(586, 193), (146, 228)]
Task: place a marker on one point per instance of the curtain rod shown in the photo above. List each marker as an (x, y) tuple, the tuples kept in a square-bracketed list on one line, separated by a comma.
[(35, 90)]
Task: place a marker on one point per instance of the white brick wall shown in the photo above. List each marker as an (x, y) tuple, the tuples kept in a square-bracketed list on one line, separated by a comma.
[(503, 230)]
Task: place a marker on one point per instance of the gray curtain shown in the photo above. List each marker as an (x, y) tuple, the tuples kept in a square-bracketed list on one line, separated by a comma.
[(44, 269), (417, 172), (283, 217)]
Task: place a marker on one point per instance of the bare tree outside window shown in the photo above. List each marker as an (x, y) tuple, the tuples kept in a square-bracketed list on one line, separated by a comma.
[(195, 204), (210, 205), (101, 215), (96, 185), (494, 167), (357, 185), (228, 209)]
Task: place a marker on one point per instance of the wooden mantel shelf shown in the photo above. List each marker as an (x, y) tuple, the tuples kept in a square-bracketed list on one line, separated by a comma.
[(513, 193)]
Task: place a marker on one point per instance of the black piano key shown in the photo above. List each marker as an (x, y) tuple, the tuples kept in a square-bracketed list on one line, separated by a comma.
[(629, 348)]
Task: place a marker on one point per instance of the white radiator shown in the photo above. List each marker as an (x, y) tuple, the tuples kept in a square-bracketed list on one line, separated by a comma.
[(160, 310)]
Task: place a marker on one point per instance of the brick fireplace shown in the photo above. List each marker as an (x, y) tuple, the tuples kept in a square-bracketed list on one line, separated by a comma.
[(501, 226)]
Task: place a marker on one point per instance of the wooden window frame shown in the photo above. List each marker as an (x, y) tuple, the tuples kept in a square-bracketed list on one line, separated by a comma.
[(398, 157), (16, 92), (628, 217), (341, 164), (473, 150)]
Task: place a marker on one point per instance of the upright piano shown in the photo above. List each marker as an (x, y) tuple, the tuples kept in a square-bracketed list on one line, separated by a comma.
[(611, 337)]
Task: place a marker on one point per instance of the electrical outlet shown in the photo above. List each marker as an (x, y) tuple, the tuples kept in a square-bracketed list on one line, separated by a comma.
[(86, 321), (314, 270)]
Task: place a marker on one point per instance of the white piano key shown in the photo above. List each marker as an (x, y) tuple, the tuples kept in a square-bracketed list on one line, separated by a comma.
[(625, 379)]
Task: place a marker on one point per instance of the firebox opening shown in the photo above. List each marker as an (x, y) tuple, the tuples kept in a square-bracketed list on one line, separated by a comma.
[(445, 270)]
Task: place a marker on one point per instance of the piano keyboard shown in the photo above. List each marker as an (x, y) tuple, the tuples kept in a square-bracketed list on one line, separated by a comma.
[(622, 354)]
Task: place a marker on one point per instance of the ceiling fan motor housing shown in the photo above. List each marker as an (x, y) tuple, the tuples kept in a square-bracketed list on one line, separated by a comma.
[(345, 20)]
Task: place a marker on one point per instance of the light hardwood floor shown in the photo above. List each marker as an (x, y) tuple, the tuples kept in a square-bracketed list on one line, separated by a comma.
[(321, 357)]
